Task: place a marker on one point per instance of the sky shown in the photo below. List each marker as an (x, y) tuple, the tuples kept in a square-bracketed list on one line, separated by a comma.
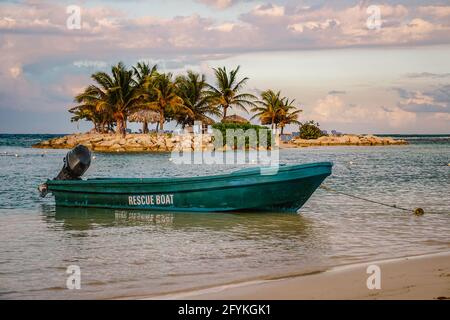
[(353, 66)]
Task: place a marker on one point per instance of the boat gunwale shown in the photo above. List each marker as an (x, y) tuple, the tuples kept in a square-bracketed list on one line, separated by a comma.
[(169, 180), (190, 190)]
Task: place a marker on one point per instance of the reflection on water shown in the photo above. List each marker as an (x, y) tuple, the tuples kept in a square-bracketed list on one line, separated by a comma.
[(135, 252), (124, 253), (255, 223)]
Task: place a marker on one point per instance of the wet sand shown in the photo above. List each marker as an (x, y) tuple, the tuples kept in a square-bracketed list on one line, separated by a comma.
[(420, 277)]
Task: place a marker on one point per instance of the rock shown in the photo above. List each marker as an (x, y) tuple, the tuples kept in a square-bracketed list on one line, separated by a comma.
[(167, 143), (170, 144), (363, 140), (96, 139), (106, 143), (353, 140)]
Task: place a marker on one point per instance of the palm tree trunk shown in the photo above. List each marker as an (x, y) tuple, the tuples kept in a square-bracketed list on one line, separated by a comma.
[(161, 120), (121, 129), (224, 112), (103, 128), (145, 127)]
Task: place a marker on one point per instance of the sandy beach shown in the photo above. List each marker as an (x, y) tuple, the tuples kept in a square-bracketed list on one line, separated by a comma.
[(419, 277)]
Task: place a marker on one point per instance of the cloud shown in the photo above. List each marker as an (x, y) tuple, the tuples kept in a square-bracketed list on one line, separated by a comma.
[(40, 56), (427, 75), (268, 10), (224, 27), (332, 109), (90, 64), (220, 4), (15, 71), (440, 12), (106, 30), (313, 25), (336, 92), (436, 100)]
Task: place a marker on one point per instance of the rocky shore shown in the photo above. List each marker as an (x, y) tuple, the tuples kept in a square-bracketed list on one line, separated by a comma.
[(168, 143), (346, 140), (130, 143)]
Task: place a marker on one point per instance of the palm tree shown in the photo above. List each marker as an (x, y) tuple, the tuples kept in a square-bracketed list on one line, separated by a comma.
[(268, 108), (226, 94), (276, 110), (90, 105), (142, 72), (288, 114), (161, 96), (192, 89), (117, 94), (86, 113)]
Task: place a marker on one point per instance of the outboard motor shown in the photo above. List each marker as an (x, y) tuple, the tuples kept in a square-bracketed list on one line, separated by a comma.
[(76, 162)]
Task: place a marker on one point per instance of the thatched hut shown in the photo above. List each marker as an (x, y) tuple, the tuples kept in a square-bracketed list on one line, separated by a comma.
[(205, 120), (145, 117), (235, 119)]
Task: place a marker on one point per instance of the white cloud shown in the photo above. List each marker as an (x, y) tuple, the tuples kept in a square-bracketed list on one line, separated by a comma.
[(333, 109), (224, 27), (435, 11), (6, 22), (268, 10), (35, 37), (220, 4), (313, 25), (15, 71), (436, 100)]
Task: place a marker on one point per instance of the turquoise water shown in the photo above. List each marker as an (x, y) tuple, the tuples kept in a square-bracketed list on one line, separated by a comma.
[(123, 253)]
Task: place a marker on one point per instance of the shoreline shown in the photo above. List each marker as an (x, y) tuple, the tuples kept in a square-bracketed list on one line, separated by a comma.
[(134, 142), (425, 276)]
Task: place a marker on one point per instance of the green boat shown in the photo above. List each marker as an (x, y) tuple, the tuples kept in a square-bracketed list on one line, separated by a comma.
[(281, 188)]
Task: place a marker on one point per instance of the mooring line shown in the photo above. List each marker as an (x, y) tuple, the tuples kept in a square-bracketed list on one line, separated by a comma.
[(417, 211)]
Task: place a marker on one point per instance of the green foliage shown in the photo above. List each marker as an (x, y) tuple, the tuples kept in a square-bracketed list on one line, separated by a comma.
[(224, 126), (112, 98), (115, 96), (276, 110), (162, 97), (226, 94), (310, 130), (192, 89)]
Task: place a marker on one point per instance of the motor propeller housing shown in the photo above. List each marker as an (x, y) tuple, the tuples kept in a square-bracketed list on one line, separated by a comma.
[(76, 162)]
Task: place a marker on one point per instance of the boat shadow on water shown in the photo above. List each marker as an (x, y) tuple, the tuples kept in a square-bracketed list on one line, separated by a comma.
[(279, 224)]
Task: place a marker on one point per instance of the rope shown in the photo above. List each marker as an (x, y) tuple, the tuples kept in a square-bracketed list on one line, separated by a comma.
[(417, 211)]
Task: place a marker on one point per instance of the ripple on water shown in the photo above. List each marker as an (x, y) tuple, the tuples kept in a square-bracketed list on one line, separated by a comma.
[(131, 253)]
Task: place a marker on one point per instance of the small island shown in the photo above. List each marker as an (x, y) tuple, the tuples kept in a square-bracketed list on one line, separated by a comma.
[(168, 142), (130, 143), (145, 95), (346, 140)]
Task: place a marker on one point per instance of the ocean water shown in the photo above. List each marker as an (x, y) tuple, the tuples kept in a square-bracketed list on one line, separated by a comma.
[(138, 253)]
